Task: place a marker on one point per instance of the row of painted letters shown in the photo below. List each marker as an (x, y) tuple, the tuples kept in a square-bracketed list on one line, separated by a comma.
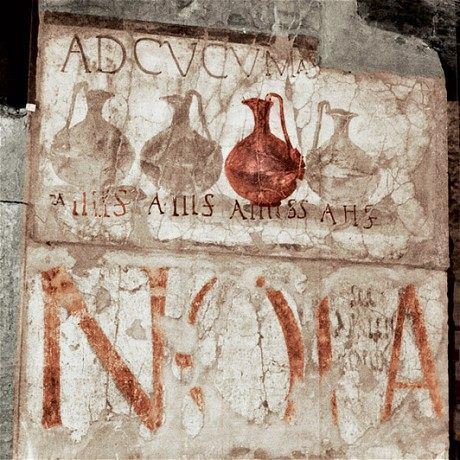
[(288, 67), (60, 290)]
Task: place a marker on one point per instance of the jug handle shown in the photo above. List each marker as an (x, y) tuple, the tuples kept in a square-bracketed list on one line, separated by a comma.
[(76, 89), (321, 106), (201, 114), (282, 119)]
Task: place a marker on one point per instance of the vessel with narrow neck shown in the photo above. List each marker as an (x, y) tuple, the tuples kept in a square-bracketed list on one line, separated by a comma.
[(261, 167)]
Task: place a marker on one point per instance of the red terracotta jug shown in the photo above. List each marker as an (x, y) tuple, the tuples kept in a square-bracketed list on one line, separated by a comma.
[(261, 167)]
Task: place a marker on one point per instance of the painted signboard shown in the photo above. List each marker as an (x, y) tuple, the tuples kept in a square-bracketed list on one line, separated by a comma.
[(232, 252), (166, 141), (154, 356)]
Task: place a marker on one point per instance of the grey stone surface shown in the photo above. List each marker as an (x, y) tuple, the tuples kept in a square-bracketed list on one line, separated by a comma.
[(12, 174), (11, 216), (12, 154), (346, 41), (434, 21), (302, 16)]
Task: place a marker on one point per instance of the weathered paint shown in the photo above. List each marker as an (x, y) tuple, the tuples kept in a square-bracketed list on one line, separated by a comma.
[(410, 306), (237, 366), (173, 107), (175, 318)]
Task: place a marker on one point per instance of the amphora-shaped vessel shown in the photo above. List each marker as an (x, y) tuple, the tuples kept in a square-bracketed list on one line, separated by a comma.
[(93, 154), (179, 159), (339, 171), (261, 167)]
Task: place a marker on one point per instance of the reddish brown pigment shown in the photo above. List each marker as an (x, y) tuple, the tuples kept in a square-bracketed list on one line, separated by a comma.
[(125, 381), (60, 290), (52, 367), (198, 299), (260, 282), (183, 359), (409, 305), (290, 411), (261, 167), (157, 282), (323, 339), (197, 395), (335, 414), (291, 332)]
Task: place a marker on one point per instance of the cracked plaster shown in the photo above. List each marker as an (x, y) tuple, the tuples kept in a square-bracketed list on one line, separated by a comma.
[(399, 125), (239, 360), (228, 328)]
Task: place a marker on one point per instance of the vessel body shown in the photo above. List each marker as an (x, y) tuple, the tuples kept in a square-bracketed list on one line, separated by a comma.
[(179, 160), (261, 167), (339, 171), (93, 154)]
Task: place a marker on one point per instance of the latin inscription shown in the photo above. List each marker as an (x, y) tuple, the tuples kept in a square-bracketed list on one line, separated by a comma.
[(59, 290), (118, 203), (217, 59)]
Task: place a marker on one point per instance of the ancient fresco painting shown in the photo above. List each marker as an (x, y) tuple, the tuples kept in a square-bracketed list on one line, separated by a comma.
[(179, 160), (331, 162), (179, 349), (261, 167), (93, 145), (227, 252), (339, 170)]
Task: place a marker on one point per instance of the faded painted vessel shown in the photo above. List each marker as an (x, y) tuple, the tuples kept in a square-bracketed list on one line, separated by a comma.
[(93, 154), (179, 159), (340, 171), (261, 167)]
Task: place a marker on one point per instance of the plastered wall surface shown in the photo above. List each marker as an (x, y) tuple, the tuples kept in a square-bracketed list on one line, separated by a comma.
[(387, 128), (229, 357), (12, 213), (186, 294)]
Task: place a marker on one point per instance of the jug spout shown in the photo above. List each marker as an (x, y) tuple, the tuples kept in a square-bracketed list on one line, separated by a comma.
[(97, 97), (341, 114), (261, 111)]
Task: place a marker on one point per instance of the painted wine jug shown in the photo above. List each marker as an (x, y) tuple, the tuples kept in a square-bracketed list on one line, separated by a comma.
[(339, 171), (93, 154), (179, 160), (263, 168)]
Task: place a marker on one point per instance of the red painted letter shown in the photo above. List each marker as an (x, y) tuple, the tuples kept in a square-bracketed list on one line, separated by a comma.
[(409, 305), (60, 290)]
